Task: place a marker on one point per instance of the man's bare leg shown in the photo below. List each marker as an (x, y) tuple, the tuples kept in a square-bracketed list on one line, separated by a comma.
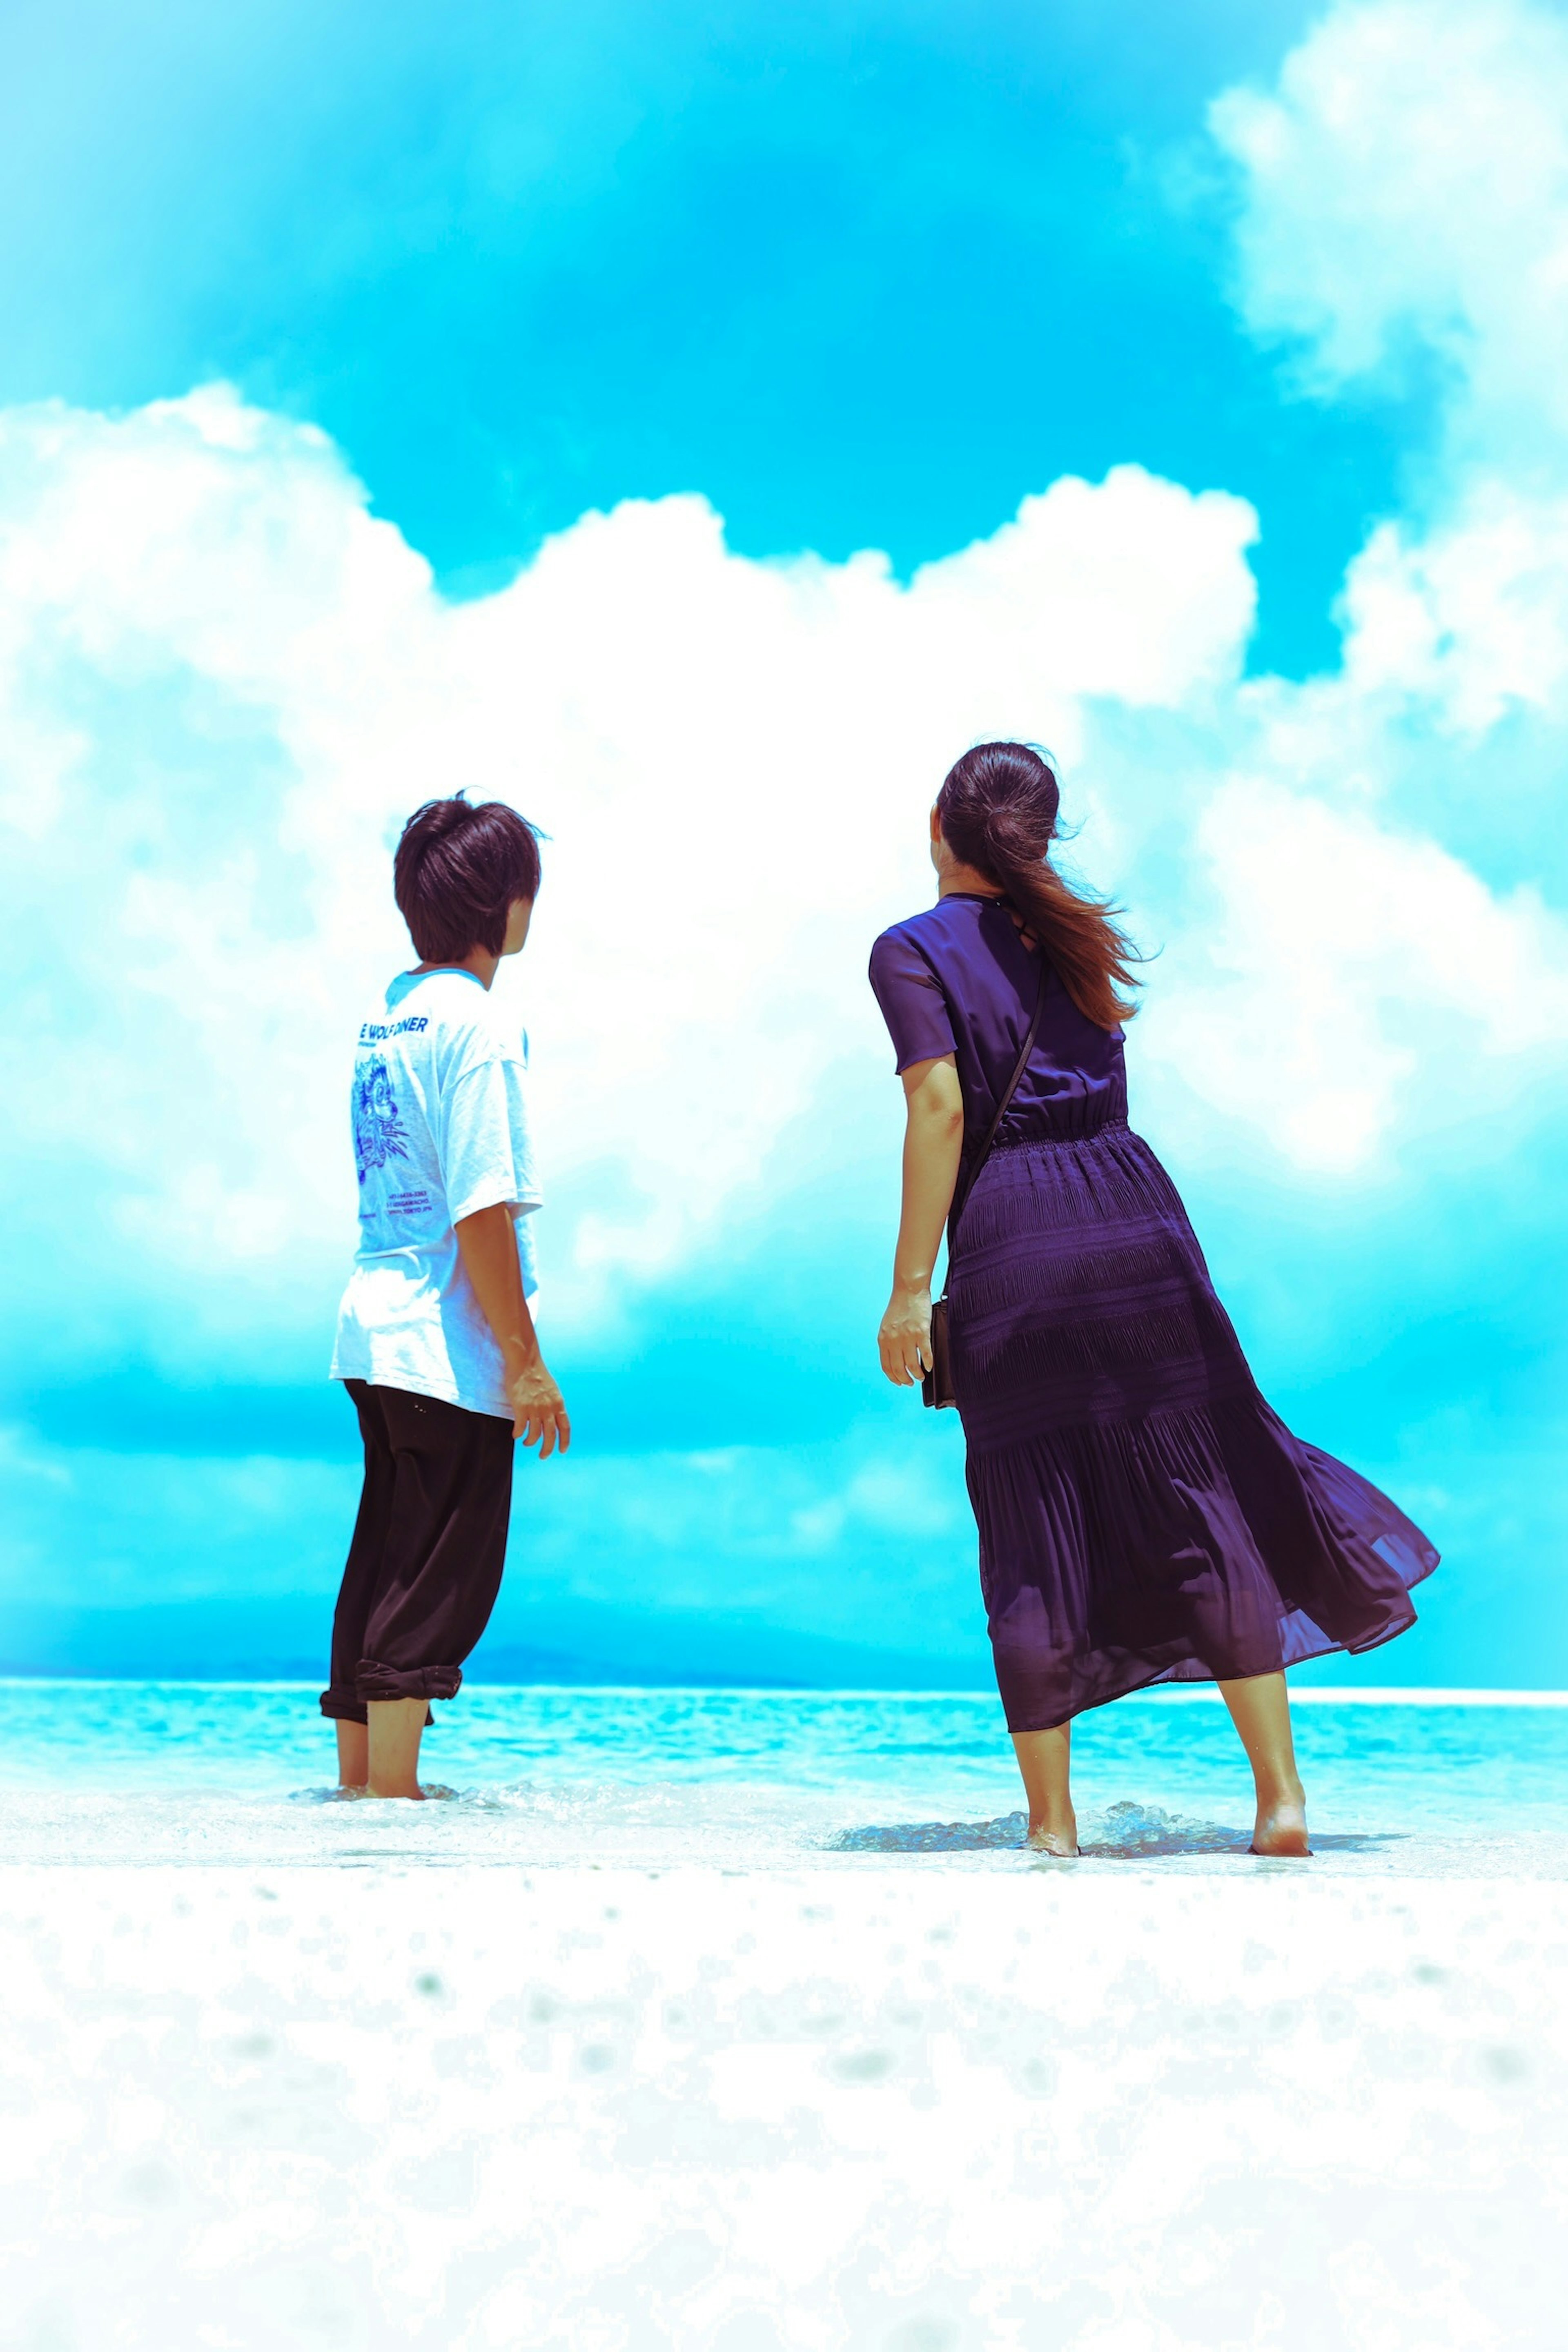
[(1045, 1760), (353, 1754), (1261, 1710), (396, 1726)]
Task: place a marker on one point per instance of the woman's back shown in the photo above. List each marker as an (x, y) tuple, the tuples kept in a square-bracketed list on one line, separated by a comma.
[(1143, 1516), (960, 979)]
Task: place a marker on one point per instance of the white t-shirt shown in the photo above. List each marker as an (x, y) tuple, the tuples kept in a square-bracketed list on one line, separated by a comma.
[(440, 1130)]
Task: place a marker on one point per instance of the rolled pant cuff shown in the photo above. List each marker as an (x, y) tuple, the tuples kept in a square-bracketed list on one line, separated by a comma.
[(343, 1706), (372, 1680)]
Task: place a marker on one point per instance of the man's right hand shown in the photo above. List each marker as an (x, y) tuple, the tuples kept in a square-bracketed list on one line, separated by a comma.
[(539, 1410)]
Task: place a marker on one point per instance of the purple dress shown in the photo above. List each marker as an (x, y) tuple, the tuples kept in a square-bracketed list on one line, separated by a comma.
[(1143, 1516)]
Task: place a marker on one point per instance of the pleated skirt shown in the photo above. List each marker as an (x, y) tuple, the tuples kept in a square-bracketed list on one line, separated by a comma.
[(1144, 1517)]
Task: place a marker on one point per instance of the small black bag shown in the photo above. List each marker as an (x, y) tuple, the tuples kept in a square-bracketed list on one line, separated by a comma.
[(936, 1388)]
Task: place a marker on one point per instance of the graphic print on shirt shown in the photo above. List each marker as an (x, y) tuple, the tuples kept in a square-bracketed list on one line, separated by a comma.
[(379, 1132), (439, 1120)]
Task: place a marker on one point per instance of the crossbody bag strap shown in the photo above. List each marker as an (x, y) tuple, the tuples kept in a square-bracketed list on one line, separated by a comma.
[(1003, 1107)]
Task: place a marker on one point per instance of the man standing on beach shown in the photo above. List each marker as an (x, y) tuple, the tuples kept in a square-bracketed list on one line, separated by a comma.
[(434, 1342)]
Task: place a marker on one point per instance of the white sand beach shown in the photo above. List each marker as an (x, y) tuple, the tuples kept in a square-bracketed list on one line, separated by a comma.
[(889, 2105)]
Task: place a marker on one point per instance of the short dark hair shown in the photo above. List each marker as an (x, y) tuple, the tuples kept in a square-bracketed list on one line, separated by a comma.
[(457, 873)]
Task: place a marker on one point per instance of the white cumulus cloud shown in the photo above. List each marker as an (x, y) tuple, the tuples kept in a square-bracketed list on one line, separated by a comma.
[(1406, 183), (224, 684)]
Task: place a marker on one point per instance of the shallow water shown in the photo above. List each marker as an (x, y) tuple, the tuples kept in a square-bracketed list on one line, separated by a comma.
[(225, 1773)]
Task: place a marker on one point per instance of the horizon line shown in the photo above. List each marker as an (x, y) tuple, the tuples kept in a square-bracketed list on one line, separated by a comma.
[(1306, 1693)]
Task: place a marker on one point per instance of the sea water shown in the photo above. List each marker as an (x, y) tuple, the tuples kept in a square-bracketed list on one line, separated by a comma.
[(1399, 1782)]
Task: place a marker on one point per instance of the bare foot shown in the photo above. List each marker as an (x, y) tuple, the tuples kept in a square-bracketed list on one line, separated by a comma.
[(1281, 1827), (1062, 1842)]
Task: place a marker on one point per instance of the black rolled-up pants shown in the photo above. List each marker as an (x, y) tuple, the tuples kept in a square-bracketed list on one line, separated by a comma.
[(424, 1564)]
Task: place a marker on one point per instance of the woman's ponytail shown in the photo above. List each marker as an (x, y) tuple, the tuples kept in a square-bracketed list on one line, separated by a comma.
[(998, 814)]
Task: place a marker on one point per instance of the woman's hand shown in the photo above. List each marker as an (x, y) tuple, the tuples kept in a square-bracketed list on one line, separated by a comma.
[(904, 1340)]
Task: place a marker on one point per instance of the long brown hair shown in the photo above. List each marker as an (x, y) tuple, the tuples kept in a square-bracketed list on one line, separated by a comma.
[(998, 814)]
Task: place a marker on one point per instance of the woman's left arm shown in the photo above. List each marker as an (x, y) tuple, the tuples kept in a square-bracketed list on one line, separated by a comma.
[(933, 1140)]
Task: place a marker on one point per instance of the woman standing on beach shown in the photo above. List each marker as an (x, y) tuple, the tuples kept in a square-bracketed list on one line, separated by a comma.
[(1143, 1516)]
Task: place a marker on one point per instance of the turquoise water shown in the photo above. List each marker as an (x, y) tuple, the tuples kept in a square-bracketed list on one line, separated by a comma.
[(195, 1771)]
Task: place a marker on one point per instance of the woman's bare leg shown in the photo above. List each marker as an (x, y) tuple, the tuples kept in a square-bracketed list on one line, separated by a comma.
[(396, 1726), (1044, 1759), (1261, 1710), (353, 1754)]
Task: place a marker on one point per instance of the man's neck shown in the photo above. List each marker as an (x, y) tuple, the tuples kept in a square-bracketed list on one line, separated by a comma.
[(478, 960)]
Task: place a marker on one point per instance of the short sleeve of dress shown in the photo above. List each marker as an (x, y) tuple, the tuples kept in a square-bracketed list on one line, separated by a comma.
[(911, 1000)]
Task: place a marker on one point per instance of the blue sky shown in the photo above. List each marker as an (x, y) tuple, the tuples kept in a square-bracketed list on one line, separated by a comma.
[(654, 415), (862, 275)]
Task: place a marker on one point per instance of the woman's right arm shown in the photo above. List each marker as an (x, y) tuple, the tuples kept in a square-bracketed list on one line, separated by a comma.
[(933, 1140)]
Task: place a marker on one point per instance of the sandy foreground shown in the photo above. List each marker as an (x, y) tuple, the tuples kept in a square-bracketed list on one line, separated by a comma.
[(896, 2110)]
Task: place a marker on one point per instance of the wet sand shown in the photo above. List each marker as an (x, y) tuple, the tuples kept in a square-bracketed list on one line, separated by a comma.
[(889, 2105)]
